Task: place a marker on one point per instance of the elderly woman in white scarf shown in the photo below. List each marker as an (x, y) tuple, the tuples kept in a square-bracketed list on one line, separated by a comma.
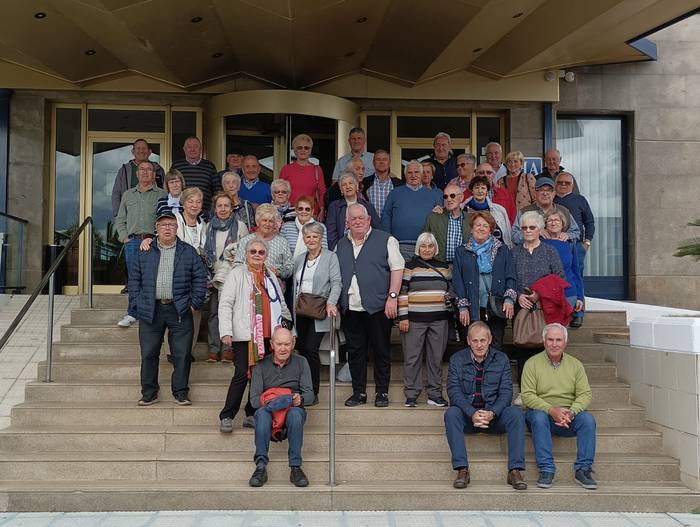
[(221, 242)]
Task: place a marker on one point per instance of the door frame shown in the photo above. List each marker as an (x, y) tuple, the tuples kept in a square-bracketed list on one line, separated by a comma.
[(86, 194)]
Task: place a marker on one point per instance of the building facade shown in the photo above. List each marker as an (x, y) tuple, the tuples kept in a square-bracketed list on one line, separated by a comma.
[(627, 131)]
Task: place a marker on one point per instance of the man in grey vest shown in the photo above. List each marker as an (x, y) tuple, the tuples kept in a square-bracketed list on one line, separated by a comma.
[(371, 267)]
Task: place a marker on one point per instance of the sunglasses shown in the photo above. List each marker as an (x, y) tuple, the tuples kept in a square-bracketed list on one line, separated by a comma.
[(261, 252), (302, 147), (565, 183), (304, 209), (529, 227), (450, 196), (280, 192), (485, 172)]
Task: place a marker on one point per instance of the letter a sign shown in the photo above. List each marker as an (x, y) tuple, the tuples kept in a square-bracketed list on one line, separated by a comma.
[(533, 165)]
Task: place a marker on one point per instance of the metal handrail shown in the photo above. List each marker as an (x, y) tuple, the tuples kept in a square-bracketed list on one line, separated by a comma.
[(15, 218), (48, 278), (331, 405)]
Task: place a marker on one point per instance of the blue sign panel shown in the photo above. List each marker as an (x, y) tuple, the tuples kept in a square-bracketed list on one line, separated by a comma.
[(533, 165)]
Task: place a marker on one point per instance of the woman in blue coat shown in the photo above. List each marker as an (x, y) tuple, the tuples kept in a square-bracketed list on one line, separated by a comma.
[(483, 278)]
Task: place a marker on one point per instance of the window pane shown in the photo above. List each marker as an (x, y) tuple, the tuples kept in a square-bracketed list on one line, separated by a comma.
[(68, 159), (592, 150), (126, 121), (420, 154), (488, 129), (184, 125), (322, 130), (378, 133), (255, 134), (429, 126)]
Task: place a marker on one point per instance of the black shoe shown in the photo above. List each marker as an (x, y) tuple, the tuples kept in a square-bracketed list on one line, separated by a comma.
[(545, 480), (583, 477), (259, 477), (439, 402), (182, 400), (124, 290), (356, 399), (381, 400), (315, 400), (410, 402), (148, 401), (298, 478), (576, 322), (170, 358)]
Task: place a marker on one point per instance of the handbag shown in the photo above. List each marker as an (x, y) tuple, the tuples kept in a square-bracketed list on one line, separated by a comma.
[(527, 327), (494, 304), (307, 304)]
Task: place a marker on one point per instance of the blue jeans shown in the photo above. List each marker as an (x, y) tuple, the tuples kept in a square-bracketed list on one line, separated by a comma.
[(511, 421), (542, 427), (294, 423), (581, 255), (131, 251)]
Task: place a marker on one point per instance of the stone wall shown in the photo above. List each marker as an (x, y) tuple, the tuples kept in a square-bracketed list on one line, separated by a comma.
[(27, 176), (662, 100)]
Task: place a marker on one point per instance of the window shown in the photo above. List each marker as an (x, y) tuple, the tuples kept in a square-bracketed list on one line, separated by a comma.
[(592, 150), (68, 160), (184, 125), (152, 121)]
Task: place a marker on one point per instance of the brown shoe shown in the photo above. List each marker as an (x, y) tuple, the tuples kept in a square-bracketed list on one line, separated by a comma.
[(462, 479), (515, 479), (212, 357), (227, 356)]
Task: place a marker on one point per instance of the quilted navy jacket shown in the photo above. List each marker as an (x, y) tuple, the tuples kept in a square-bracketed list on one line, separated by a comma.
[(189, 280), (496, 387)]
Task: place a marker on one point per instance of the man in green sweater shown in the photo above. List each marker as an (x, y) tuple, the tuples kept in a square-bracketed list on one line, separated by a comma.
[(556, 393)]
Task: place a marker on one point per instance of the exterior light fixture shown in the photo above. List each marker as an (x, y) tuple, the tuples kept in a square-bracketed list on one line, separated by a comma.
[(40, 15), (90, 52), (217, 55), (476, 50), (196, 19), (361, 20), (568, 76), (518, 15)]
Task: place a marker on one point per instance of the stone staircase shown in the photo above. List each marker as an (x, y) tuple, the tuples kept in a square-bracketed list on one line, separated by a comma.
[(81, 443)]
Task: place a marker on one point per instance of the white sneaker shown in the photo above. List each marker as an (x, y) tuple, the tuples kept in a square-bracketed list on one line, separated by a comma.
[(518, 400), (343, 374), (126, 321)]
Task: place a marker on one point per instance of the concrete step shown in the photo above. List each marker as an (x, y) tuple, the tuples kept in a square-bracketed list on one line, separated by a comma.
[(619, 338), (68, 369), (232, 466), (213, 394), (133, 495), (167, 414)]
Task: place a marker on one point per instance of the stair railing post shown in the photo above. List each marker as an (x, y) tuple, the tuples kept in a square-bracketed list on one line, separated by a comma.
[(331, 405), (88, 232), (49, 330)]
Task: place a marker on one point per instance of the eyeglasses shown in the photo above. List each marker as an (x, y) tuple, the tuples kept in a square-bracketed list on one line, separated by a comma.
[(145, 170), (485, 172), (462, 165), (167, 225), (545, 190), (302, 147), (450, 196), (529, 228), (280, 192), (565, 183), (261, 252), (303, 209)]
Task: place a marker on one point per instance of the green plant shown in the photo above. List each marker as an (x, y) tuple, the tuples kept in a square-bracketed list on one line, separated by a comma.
[(690, 247)]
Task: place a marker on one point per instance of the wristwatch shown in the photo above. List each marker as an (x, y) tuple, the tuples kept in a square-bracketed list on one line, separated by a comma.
[(393, 295)]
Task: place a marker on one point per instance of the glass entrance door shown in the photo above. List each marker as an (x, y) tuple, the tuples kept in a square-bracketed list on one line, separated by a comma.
[(105, 159)]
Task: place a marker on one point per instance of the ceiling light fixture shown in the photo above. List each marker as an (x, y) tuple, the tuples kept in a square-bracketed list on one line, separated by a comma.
[(217, 55), (476, 50), (90, 52), (40, 15), (349, 54), (196, 19), (518, 15), (361, 20)]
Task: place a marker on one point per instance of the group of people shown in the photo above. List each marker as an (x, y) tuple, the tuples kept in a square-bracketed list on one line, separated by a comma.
[(451, 245)]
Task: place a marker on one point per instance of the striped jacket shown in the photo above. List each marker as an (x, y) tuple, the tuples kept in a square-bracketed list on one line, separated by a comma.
[(422, 295)]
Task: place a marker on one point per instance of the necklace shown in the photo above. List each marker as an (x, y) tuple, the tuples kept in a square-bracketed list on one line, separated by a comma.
[(311, 263)]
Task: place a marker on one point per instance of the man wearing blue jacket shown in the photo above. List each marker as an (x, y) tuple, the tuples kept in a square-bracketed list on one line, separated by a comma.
[(480, 388), (166, 285)]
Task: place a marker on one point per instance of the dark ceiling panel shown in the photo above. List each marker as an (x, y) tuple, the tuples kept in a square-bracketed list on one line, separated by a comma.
[(184, 47), (413, 33), (54, 41)]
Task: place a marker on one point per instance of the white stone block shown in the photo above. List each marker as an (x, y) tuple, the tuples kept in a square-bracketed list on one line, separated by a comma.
[(686, 371), (689, 455), (652, 363), (683, 408), (642, 332)]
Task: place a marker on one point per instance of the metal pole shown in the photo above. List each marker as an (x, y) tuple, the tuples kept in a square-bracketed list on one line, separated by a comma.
[(331, 411), (49, 331), (89, 259)]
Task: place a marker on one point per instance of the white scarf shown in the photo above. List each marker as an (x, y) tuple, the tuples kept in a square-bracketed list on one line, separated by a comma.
[(273, 292), (300, 247)]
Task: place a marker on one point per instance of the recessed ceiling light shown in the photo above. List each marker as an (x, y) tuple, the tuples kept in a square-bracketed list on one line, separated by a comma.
[(196, 19), (476, 50), (40, 15), (90, 52), (517, 15), (361, 20), (349, 54), (217, 55)]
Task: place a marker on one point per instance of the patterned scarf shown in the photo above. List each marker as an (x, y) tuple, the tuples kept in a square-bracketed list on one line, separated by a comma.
[(483, 254), (217, 225), (256, 345)]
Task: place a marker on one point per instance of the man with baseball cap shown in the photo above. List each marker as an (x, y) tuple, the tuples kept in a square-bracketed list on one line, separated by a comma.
[(166, 284)]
